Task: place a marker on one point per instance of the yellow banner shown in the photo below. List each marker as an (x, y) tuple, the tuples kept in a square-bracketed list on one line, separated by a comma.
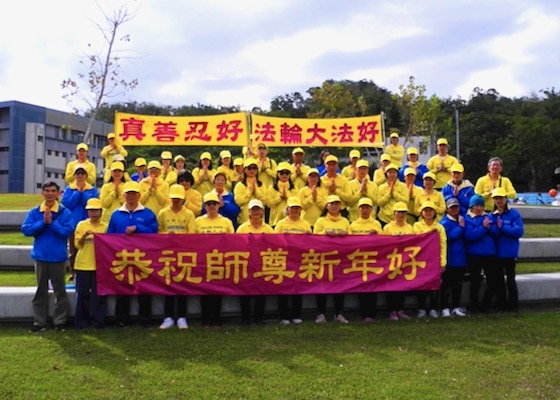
[(299, 132), (160, 130)]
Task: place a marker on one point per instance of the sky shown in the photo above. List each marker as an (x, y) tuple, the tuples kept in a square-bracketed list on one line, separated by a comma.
[(246, 52)]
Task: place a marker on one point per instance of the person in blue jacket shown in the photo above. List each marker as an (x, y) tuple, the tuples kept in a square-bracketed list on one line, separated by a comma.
[(412, 162), (452, 278), (459, 188), (481, 255), (131, 218), (507, 229), (227, 207), (51, 224)]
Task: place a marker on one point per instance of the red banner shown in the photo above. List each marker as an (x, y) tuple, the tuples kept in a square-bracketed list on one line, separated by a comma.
[(266, 264)]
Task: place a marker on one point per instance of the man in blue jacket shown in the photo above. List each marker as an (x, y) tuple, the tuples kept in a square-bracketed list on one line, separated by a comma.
[(51, 224), (132, 217)]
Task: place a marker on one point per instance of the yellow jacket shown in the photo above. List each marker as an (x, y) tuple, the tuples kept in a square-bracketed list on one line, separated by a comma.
[(203, 184), (85, 258), (343, 189), (286, 225), (357, 194), (220, 224), (177, 222), (268, 173), (242, 195), (110, 199), (396, 153), (363, 226), (246, 227), (338, 224), (313, 207), (155, 199), (170, 176), (442, 177), (436, 197), (386, 200), (193, 201), (349, 172), (422, 227), (485, 185), (416, 191), (108, 152), (379, 177), (230, 174), (299, 180), (90, 169), (392, 229), (278, 204)]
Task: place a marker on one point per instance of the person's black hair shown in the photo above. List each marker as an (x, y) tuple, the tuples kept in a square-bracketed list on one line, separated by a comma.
[(275, 184), (51, 184), (200, 164), (219, 173), (186, 176), (244, 181)]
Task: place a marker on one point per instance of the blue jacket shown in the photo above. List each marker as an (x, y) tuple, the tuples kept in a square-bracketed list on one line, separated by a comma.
[(230, 210), (479, 240), (507, 237), (466, 191), (76, 201), (144, 219), (456, 249), (51, 240), (420, 171)]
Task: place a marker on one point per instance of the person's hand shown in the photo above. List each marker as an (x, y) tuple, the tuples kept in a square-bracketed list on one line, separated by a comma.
[(486, 222), (47, 218), (499, 222), (332, 186), (130, 229)]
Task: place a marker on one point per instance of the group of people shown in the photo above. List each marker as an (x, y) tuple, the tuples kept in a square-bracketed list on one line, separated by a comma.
[(254, 194)]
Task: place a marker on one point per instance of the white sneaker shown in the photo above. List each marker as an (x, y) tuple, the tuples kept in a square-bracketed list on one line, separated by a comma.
[(321, 319), (182, 323), (434, 313), (340, 318), (458, 312), (421, 314), (167, 323), (297, 321), (285, 322), (446, 313)]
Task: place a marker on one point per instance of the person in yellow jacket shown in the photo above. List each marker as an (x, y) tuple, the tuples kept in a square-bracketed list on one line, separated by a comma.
[(267, 166), (204, 174), (413, 192), (335, 183), (179, 164), (313, 197), (238, 174), (397, 227), (299, 169), (430, 194), (277, 194), (154, 193), (249, 188), (168, 173), (140, 165), (193, 199), (212, 223), (90, 308), (332, 224), (175, 219), (225, 166), (429, 223), (395, 150), (113, 147), (116, 158), (492, 180), (441, 164), (379, 174), (255, 225), (349, 172), (366, 225), (112, 195), (362, 187), (389, 193), (292, 224), (81, 159)]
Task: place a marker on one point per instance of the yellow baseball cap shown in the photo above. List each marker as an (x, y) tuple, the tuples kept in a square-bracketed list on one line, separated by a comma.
[(457, 168), (312, 171), (177, 191), (400, 206), (391, 166), (365, 201), (111, 135), (82, 146), (427, 204), (211, 196), (284, 166), (394, 134), (166, 155), (331, 158), (225, 154), (140, 162), (362, 163), (333, 198), (154, 164), (250, 161), (294, 202), (355, 154), (412, 150), (206, 156), (94, 204), (80, 167), (131, 186), (238, 161), (117, 166), (442, 141), (297, 150), (430, 175), (178, 157), (409, 171), (385, 157), (499, 192)]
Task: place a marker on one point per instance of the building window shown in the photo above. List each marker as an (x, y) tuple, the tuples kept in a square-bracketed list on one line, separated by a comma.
[(48, 174), (56, 153), (39, 138), (56, 175), (4, 148), (64, 154), (40, 161), (4, 172), (39, 185)]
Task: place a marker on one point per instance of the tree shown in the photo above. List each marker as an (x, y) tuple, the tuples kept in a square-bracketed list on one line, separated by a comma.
[(102, 79), (335, 100)]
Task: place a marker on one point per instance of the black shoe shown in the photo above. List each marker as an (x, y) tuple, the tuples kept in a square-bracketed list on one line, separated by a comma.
[(38, 328), (60, 327)]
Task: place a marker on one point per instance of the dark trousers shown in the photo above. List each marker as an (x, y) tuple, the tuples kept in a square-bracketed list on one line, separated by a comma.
[(55, 272), (245, 303), (211, 308), (122, 309), (284, 310), (475, 266), (90, 308), (321, 300), (508, 265), (368, 305), (175, 306), (495, 287), (395, 301), (452, 285), (427, 299)]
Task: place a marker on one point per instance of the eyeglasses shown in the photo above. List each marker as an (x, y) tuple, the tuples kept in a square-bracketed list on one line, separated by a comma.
[(80, 172), (262, 148), (252, 167), (284, 172), (211, 203)]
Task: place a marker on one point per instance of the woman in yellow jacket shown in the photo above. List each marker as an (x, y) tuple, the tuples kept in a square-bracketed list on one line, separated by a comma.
[(212, 223), (112, 195), (390, 193), (332, 224), (279, 192), (249, 188), (397, 227), (413, 192), (203, 174), (292, 224), (225, 166), (430, 194), (90, 308), (193, 199), (429, 223), (362, 187), (154, 191), (313, 197)]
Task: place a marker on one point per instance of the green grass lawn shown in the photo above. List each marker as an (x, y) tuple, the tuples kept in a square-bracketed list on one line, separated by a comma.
[(19, 201), (478, 357)]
